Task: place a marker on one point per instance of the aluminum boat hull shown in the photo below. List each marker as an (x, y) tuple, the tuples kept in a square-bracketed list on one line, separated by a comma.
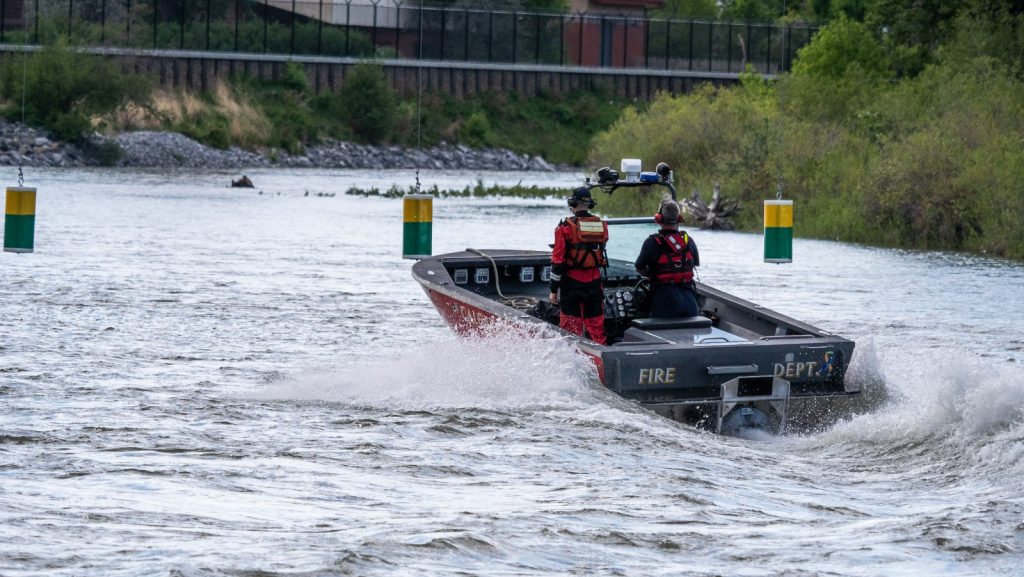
[(737, 357)]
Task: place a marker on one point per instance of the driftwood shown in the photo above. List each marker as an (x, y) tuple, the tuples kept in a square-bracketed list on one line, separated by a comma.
[(714, 216), (243, 182)]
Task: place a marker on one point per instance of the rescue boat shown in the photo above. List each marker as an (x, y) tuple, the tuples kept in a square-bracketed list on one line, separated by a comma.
[(738, 366)]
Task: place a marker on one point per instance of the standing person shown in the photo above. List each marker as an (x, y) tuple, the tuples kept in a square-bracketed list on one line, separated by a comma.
[(668, 258), (577, 258)]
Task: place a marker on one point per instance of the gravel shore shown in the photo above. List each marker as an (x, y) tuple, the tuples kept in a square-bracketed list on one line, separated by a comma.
[(26, 146)]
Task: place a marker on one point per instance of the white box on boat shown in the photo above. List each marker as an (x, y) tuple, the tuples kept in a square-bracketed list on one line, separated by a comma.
[(630, 169)]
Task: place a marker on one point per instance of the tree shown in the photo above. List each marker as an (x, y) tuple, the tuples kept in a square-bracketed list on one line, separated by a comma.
[(839, 46)]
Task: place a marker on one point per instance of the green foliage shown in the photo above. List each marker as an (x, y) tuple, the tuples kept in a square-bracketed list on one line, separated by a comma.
[(209, 127), (840, 46), (557, 128), (932, 162), (369, 103), (751, 10), (294, 78), (476, 132), (64, 90), (706, 9)]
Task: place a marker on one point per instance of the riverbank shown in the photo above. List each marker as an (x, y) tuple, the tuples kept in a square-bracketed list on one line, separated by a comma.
[(22, 145)]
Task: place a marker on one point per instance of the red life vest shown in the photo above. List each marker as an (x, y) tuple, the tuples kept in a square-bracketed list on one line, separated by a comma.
[(675, 263), (584, 245)]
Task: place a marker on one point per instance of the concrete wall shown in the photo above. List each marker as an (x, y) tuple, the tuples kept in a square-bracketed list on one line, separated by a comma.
[(199, 71)]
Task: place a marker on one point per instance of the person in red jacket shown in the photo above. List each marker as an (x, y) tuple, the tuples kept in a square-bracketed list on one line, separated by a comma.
[(668, 259), (577, 259)]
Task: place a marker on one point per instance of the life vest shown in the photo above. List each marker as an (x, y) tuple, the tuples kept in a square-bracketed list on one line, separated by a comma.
[(584, 246), (675, 263)]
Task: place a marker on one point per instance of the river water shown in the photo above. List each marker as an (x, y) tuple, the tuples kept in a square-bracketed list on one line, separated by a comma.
[(196, 380)]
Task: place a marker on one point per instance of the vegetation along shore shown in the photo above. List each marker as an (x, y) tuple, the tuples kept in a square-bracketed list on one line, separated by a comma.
[(899, 125)]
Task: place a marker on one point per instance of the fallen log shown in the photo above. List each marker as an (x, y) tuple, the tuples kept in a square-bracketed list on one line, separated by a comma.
[(714, 216)]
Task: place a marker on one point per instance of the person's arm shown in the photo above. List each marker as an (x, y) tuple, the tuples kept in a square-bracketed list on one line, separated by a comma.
[(557, 265), (643, 261), (693, 250)]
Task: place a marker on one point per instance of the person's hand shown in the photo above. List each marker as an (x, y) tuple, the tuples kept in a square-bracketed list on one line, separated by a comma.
[(554, 298)]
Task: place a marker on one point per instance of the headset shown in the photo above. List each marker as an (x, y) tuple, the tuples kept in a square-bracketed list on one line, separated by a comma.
[(573, 202), (660, 218)]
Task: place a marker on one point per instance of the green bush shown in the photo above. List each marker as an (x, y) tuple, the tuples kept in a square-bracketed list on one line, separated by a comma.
[(839, 46), (476, 132), (932, 162), (64, 90), (369, 103)]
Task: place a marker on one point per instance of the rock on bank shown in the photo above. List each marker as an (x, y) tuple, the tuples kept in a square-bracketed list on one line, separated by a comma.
[(22, 145)]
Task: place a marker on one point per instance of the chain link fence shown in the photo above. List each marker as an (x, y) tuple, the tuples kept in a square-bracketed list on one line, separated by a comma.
[(405, 31)]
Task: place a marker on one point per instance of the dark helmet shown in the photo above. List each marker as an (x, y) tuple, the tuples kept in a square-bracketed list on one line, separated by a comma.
[(581, 198)]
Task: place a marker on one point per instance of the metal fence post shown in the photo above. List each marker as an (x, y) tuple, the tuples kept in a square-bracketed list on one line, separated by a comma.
[(561, 40), (647, 43), (181, 42), (625, 41), (266, 14), (71, 6), (103, 22), (444, 29), (711, 45), (238, 19), (36, 17), (465, 35), (156, 14), (3, 17), (128, 22), (320, 31), (579, 49), (490, 36), (728, 57), (348, 25), (291, 42), (768, 53), (668, 40), (207, 25), (690, 64), (515, 34), (536, 44), (398, 28), (373, 29), (786, 34), (750, 50)]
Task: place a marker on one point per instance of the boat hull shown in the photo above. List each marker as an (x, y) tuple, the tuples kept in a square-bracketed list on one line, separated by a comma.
[(683, 368)]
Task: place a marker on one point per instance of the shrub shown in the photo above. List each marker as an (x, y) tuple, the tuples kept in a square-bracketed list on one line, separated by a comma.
[(65, 90), (369, 103), (839, 46)]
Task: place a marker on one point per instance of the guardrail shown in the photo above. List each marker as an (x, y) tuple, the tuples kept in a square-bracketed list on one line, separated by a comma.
[(398, 30)]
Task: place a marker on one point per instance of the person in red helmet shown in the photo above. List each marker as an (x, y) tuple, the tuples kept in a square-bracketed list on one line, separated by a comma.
[(577, 258), (668, 259)]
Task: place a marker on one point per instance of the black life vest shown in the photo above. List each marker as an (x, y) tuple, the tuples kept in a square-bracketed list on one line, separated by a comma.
[(585, 244), (675, 261)]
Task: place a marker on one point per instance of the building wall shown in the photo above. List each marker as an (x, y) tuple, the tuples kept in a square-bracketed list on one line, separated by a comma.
[(618, 7)]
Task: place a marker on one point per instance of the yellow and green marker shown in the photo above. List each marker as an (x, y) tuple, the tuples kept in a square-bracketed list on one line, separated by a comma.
[(778, 231), (418, 216), (20, 219)]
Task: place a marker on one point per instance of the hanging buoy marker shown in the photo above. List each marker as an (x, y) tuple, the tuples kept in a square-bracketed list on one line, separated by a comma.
[(20, 219), (417, 231), (778, 231)]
